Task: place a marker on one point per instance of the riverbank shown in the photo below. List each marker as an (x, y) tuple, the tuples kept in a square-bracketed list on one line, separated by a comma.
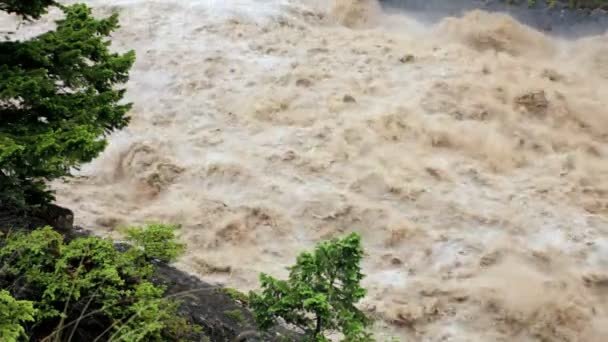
[(564, 18), (219, 314)]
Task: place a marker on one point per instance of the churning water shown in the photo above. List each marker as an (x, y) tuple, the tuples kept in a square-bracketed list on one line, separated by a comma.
[(470, 154)]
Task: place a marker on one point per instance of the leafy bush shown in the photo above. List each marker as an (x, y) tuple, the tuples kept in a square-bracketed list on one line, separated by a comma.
[(156, 240), (57, 99), (320, 294), (12, 314), (86, 286)]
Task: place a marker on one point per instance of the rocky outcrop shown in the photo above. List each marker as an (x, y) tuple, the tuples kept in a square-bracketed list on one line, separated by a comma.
[(221, 317), (12, 218)]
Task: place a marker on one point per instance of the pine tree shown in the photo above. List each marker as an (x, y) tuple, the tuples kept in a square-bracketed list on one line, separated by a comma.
[(58, 99)]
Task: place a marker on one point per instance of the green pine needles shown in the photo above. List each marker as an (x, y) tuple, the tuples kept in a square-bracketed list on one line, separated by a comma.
[(320, 295), (58, 99), (26, 8)]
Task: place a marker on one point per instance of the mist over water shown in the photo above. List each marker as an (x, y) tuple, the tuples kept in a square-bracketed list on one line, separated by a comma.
[(469, 153)]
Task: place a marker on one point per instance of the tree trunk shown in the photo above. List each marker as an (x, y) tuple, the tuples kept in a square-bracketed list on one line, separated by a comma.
[(318, 329)]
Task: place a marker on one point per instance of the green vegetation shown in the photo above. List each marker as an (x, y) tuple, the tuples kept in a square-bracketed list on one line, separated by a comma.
[(587, 3), (26, 8), (237, 295), (320, 294), (235, 314), (12, 314), (52, 287), (533, 2), (156, 241), (591, 4), (58, 99)]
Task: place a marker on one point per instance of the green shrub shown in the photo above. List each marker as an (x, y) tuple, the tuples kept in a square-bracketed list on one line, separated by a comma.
[(69, 285), (320, 294), (156, 240), (58, 99), (12, 314)]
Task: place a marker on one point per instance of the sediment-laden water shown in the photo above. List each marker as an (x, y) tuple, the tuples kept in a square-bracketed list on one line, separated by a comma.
[(470, 154)]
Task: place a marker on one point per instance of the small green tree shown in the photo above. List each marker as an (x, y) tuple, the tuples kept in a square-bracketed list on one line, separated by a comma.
[(320, 294), (57, 99)]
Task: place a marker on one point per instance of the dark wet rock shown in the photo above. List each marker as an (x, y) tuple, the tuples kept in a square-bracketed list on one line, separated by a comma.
[(58, 217), (210, 306), (535, 102), (348, 99), (552, 75), (206, 305), (303, 82), (61, 219), (407, 59)]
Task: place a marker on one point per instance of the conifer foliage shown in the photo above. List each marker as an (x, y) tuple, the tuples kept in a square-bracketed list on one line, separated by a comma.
[(59, 97)]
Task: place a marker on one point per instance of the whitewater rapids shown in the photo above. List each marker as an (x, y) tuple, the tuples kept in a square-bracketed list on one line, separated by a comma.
[(471, 155)]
